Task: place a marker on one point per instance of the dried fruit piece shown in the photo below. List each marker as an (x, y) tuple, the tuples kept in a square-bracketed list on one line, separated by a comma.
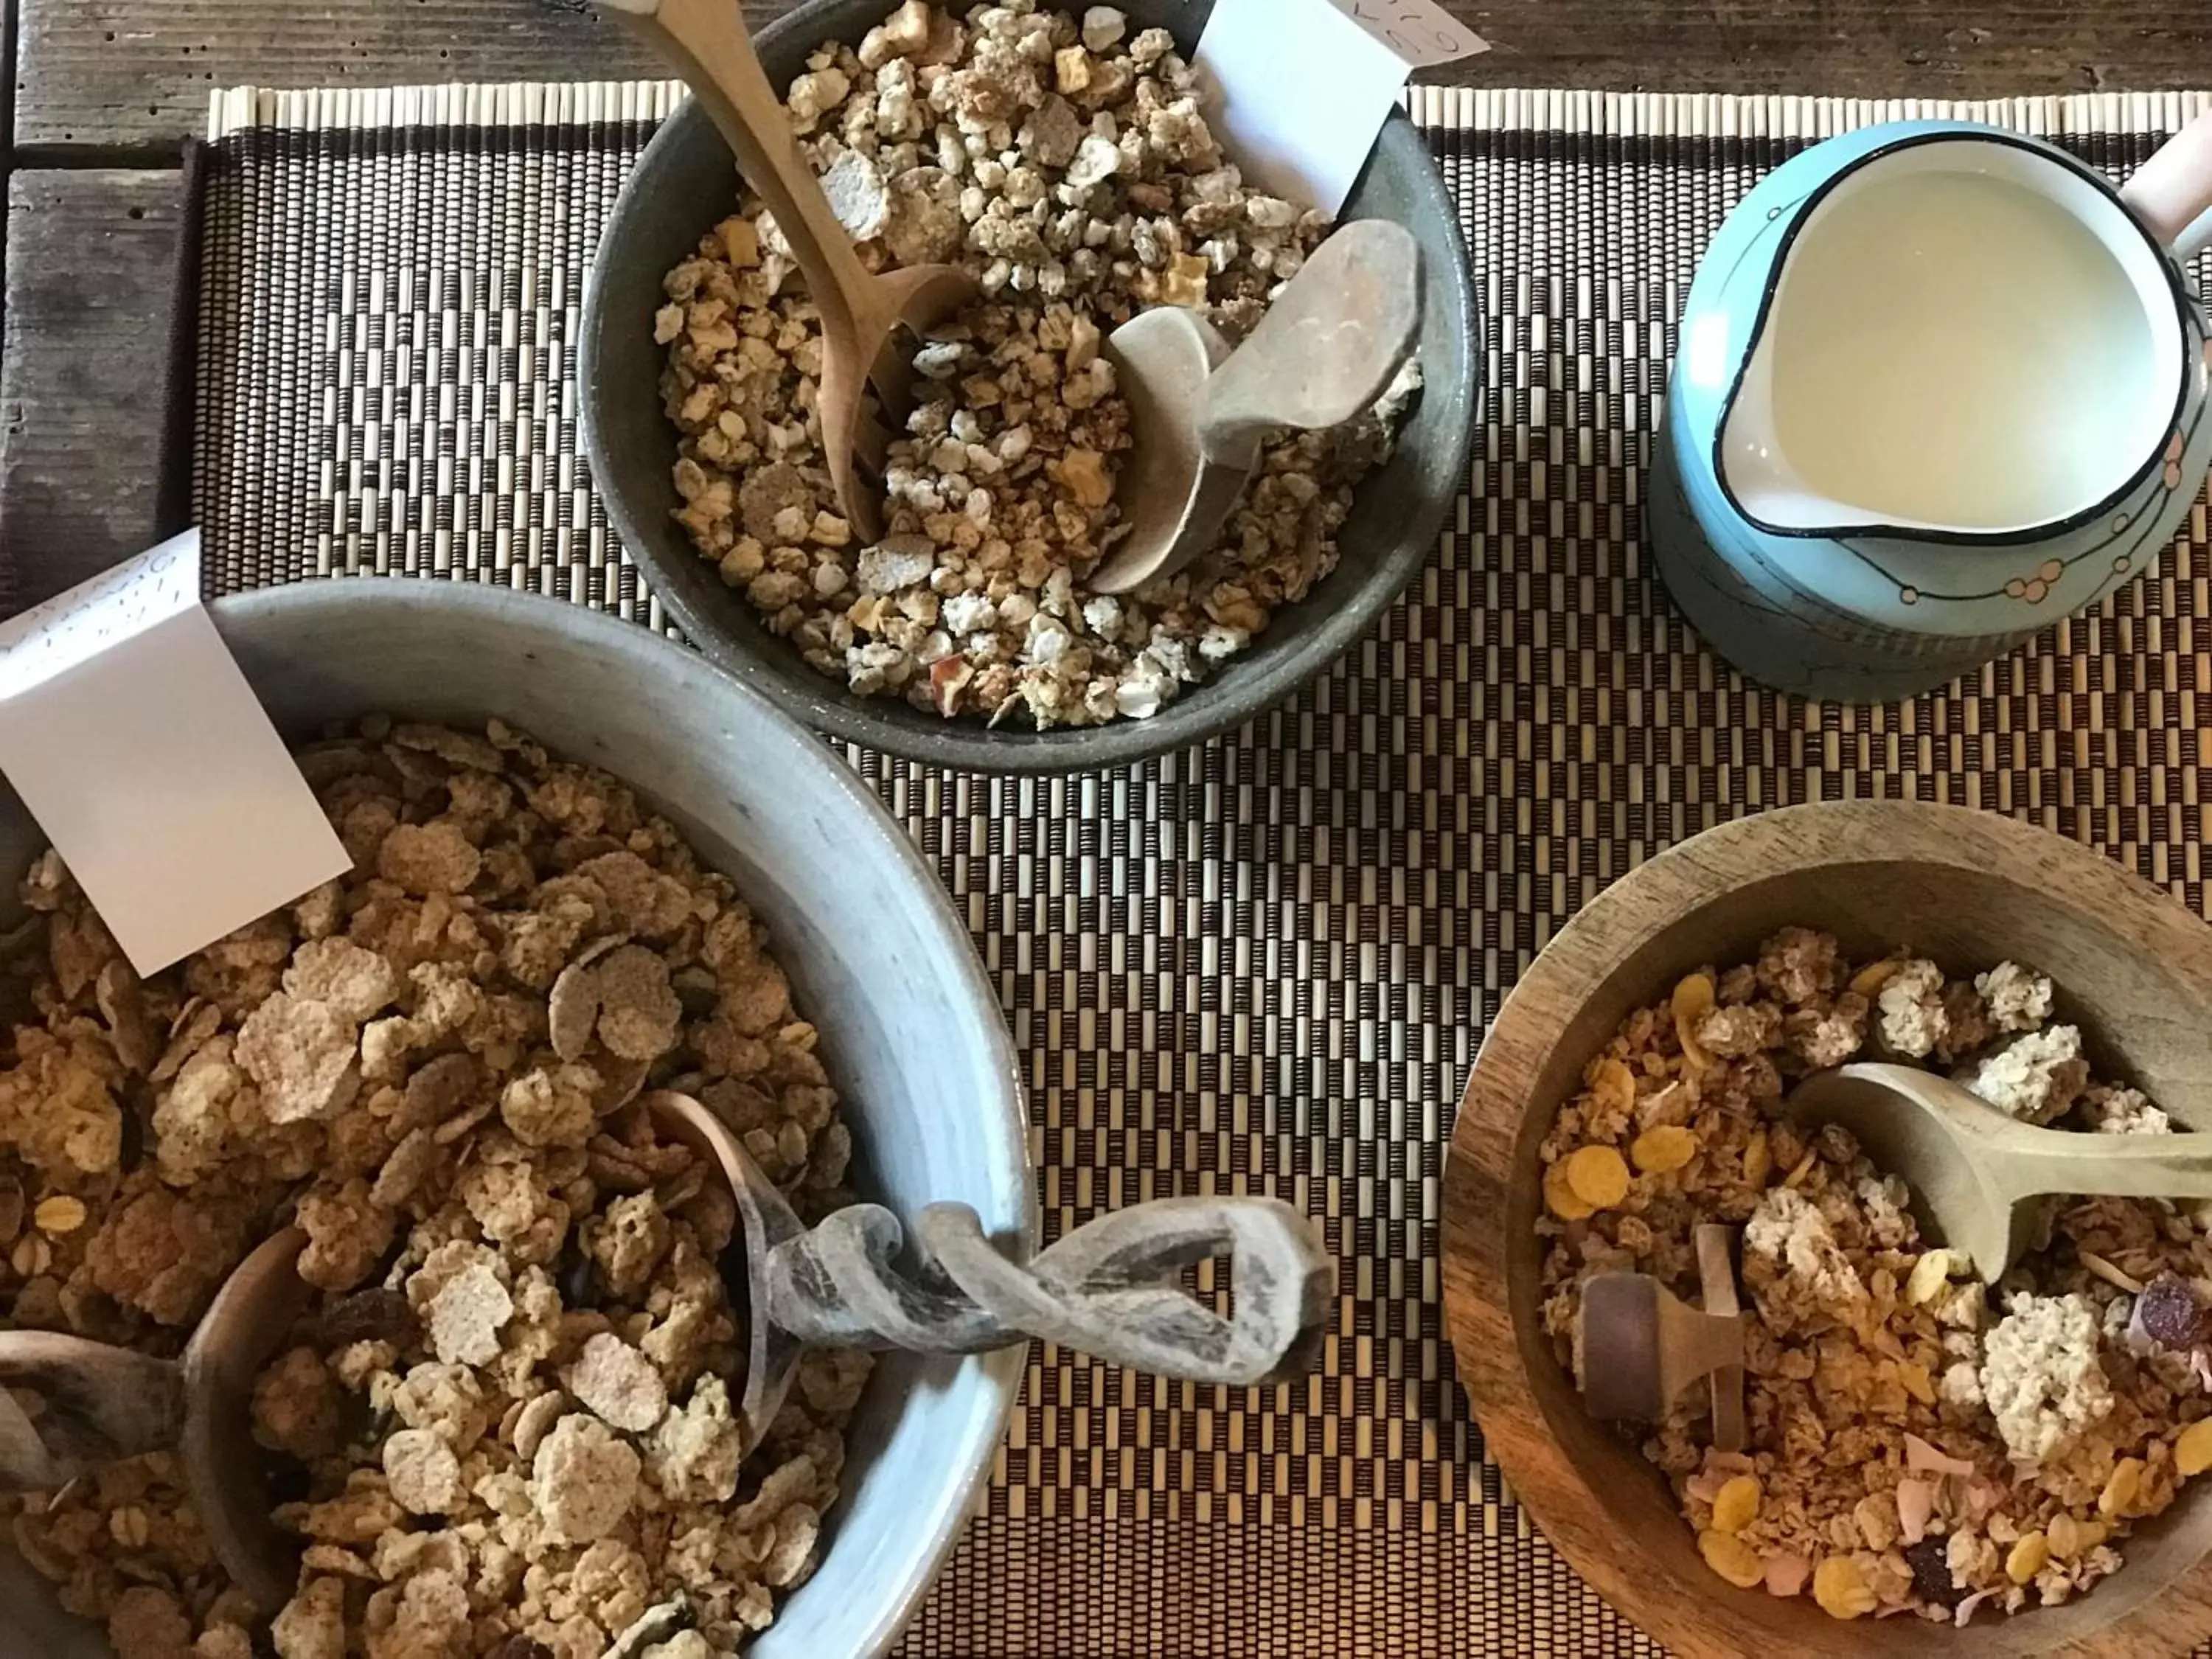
[(1732, 1558), (1693, 1000), (2192, 1452), (2169, 1312), (1931, 1562), (2070, 1538), (1841, 1589), (59, 1214), (1664, 1149), (2121, 1487), (1929, 1274), (1598, 1175), (1875, 974), (1735, 1504), (2028, 1557), (1560, 1198)]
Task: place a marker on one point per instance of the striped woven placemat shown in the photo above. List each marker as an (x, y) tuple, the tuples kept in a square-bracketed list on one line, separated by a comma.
[(1267, 963)]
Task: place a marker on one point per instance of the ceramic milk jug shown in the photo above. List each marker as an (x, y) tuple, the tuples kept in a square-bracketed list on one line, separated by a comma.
[(1937, 386)]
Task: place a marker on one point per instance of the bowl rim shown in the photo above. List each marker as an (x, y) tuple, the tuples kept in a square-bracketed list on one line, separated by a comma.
[(519, 615), (1190, 719), (1703, 1619)]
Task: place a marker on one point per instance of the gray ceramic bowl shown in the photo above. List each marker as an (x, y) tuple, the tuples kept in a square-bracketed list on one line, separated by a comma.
[(682, 185), (876, 956)]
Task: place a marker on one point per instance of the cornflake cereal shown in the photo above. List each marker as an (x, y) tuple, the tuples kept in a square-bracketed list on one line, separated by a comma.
[(1919, 1442), (1068, 165), (503, 1428)]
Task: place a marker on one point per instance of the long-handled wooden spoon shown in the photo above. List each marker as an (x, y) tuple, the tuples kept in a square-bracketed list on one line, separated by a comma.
[(1107, 1289), (1977, 1175), (862, 313), (96, 1404)]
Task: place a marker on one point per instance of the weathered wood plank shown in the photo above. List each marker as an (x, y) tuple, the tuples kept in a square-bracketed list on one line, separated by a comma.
[(137, 72), (83, 372), (112, 73)]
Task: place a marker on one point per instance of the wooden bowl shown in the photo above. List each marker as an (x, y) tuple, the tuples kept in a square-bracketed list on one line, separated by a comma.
[(1970, 889)]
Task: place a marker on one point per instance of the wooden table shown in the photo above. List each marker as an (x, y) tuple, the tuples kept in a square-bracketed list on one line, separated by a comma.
[(101, 93)]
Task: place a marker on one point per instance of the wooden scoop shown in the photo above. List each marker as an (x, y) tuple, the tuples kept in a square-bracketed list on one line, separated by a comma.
[(1977, 1175), (1638, 1346), (1324, 352), (96, 1404), (707, 44), (1106, 1289)]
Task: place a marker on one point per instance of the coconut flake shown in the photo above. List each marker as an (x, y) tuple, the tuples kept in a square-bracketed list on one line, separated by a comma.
[(1923, 1459), (1916, 1504)]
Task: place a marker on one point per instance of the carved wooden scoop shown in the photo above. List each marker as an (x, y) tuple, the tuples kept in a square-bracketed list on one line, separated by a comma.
[(1105, 1289), (706, 42), (1324, 352), (97, 1404), (1977, 1175), (1638, 1346)]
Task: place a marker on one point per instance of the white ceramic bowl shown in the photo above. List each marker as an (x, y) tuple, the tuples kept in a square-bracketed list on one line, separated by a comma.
[(910, 1028)]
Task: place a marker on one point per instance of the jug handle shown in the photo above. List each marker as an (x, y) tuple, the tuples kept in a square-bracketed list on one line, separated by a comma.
[(2172, 192)]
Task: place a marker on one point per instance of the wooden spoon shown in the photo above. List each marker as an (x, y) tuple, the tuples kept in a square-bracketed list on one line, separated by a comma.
[(97, 1404), (1638, 1346), (862, 313), (1324, 352), (1106, 1289), (1977, 1175)]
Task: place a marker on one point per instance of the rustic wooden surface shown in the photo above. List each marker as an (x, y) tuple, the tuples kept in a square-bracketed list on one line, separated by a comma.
[(1966, 886), (101, 92)]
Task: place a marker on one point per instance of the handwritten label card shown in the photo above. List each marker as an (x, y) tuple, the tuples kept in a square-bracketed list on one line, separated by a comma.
[(1304, 86), (130, 734)]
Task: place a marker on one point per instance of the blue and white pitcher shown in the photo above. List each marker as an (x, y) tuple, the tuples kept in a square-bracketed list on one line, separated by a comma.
[(1937, 386)]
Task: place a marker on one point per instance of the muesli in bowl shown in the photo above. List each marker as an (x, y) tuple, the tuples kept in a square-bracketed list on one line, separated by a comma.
[(675, 215), (1918, 1442), (721, 797), (1065, 161), (504, 1426)]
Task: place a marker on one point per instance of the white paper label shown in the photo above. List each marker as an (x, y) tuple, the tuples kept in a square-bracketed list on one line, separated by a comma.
[(1304, 86), (130, 734)]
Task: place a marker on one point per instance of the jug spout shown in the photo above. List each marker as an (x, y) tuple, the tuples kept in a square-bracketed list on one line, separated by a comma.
[(1757, 469)]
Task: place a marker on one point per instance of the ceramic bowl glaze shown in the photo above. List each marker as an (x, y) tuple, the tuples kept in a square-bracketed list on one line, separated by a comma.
[(876, 957), (684, 185), (1866, 611)]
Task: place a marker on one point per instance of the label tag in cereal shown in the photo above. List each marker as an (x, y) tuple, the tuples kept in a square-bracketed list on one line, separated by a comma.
[(133, 738), (1304, 86)]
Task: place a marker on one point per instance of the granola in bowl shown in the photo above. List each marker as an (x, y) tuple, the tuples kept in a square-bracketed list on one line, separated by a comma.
[(1919, 1442), (1068, 162), (504, 1426)]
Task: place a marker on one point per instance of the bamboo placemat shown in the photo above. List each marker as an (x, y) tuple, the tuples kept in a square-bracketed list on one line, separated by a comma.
[(1266, 963)]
